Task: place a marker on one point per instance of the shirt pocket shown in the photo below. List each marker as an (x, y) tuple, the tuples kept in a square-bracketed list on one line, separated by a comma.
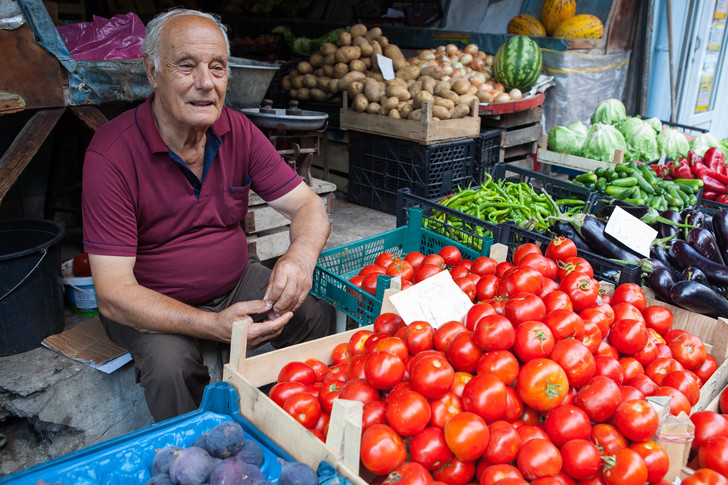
[(236, 203)]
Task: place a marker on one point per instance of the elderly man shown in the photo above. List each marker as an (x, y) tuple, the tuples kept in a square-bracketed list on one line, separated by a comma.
[(165, 187)]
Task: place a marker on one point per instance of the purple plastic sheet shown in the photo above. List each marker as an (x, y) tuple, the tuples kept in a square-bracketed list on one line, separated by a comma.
[(119, 37)]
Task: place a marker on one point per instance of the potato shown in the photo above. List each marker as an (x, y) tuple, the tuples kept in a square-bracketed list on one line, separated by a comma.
[(376, 50), (340, 70), (363, 44), (445, 103), (392, 51), (416, 115), (395, 114), (440, 112), (349, 78), (304, 94), (415, 88), (423, 97), (297, 81), (316, 60), (356, 88), (485, 96), (388, 102), (334, 86), (309, 81), (434, 71), (398, 92), (322, 82), (367, 62), (347, 54), (376, 75), (328, 70), (319, 94), (286, 82), (374, 108), (327, 48), (459, 111), (304, 67), (357, 65), (461, 86), (373, 33), (472, 89), (293, 93), (405, 109), (360, 103), (373, 90), (330, 60), (451, 95), (408, 72), (467, 100), (441, 87), (410, 83), (383, 41), (358, 30), (428, 84), (319, 72), (344, 39)]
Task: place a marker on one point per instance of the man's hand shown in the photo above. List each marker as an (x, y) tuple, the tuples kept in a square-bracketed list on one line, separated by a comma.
[(290, 283), (258, 333)]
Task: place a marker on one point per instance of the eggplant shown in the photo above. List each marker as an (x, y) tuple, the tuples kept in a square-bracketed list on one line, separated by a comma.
[(691, 217), (720, 231), (592, 230), (683, 255), (666, 230), (699, 298), (565, 229), (691, 273), (661, 280), (658, 253), (704, 242), (638, 211), (651, 264)]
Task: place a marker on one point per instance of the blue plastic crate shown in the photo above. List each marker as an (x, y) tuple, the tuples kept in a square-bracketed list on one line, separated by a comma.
[(127, 459), (336, 266)]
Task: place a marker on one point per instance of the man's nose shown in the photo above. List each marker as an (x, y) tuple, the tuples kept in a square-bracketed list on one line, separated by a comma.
[(203, 77)]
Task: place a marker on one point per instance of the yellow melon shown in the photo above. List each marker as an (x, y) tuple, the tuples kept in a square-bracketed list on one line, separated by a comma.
[(580, 27), (526, 25), (554, 12)]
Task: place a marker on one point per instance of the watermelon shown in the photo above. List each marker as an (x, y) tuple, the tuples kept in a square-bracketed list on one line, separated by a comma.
[(518, 63)]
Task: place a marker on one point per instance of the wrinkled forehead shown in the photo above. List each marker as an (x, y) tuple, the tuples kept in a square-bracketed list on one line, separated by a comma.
[(188, 33)]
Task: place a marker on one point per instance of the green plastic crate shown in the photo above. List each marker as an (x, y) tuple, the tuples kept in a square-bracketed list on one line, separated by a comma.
[(336, 266)]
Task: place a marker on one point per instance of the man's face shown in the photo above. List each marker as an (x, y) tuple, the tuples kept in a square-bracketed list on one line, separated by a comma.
[(192, 78)]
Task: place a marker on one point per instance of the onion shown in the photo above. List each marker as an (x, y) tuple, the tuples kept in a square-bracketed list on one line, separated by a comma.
[(502, 98), (446, 77), (447, 69), (489, 59), (443, 59), (515, 94), (485, 97), (477, 63), (451, 49), (499, 87), (426, 55), (478, 77), (466, 58), (481, 55), (440, 49), (471, 49), (486, 86), (457, 65), (458, 72)]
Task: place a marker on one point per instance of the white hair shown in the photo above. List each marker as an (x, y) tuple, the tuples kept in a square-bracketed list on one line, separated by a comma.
[(155, 26)]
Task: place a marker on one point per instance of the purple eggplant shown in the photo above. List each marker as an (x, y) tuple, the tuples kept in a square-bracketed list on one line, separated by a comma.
[(691, 273), (658, 253), (720, 231), (704, 242), (592, 230), (666, 230), (699, 298), (683, 255), (638, 211), (661, 281)]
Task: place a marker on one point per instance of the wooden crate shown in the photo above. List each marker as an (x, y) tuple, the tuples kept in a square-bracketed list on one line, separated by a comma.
[(521, 128), (425, 132), (267, 230)]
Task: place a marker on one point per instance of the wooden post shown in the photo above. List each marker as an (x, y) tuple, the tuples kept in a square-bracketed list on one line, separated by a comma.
[(344, 434)]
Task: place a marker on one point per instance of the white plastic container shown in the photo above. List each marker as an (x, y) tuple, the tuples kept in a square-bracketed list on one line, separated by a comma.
[(81, 295)]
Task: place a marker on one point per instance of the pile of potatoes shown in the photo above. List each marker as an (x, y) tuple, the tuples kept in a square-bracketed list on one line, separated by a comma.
[(350, 65)]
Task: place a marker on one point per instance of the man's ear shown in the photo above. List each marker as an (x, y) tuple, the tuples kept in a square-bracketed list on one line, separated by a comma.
[(149, 69)]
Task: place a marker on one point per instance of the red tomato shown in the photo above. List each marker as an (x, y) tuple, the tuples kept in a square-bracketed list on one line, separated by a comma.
[(371, 342), (647, 354), (356, 341), (408, 413), (592, 337), (655, 457), (477, 312), (386, 258), (631, 367), (414, 258), (425, 271), (660, 367), (576, 360), (369, 283), (283, 390), (556, 300), (432, 376), (484, 265), (429, 448), (627, 311), (685, 382), (340, 353), (393, 345), (451, 255), (401, 268), (595, 316), (485, 288), (502, 268), (304, 407), (463, 352), (491, 474), (382, 449), (467, 286), (708, 425), (383, 370), (549, 285), (637, 420), (445, 408), (337, 372), (658, 318), (608, 366), (419, 336), (459, 381), (435, 259), (538, 458), (533, 340), (318, 367), (485, 395), (372, 268), (678, 402), (565, 324), (707, 369), (630, 293), (625, 468), (359, 390), (608, 438), (446, 332), (689, 350), (494, 332), (356, 367), (524, 249), (581, 459), (565, 423), (328, 392), (501, 363), (546, 266), (574, 264), (705, 476), (542, 384), (514, 405), (356, 281), (80, 265), (642, 383), (523, 307), (297, 372), (454, 472), (467, 436), (582, 290), (628, 336), (408, 473), (374, 413), (459, 272), (599, 398), (560, 249), (524, 280), (503, 444), (607, 310)]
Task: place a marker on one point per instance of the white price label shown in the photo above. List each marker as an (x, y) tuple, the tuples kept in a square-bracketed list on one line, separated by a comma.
[(630, 231), (436, 300), (385, 66)]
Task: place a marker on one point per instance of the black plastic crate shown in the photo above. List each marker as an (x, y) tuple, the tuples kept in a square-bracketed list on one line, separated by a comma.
[(380, 165), (487, 149), (332, 107), (556, 188), (456, 225)]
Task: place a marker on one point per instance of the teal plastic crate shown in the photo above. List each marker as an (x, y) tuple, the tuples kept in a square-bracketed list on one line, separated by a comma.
[(127, 459), (337, 265)]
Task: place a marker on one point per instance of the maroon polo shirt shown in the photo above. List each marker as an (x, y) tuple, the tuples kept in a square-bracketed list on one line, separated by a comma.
[(138, 202)]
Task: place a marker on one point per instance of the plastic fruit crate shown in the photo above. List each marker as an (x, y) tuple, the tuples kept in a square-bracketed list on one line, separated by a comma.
[(556, 188), (127, 459), (336, 266), (487, 150), (380, 165)]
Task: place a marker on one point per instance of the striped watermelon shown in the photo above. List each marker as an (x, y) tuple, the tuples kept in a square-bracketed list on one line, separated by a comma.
[(517, 63)]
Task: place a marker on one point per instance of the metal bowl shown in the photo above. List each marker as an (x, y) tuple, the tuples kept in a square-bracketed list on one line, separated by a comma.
[(308, 120), (248, 83)]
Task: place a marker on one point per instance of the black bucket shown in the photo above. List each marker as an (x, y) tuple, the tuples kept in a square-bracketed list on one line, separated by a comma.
[(31, 286)]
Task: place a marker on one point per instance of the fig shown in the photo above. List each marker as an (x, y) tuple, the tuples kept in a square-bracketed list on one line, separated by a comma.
[(250, 452), (229, 471), (222, 441), (296, 473), (191, 466), (163, 458), (160, 479)]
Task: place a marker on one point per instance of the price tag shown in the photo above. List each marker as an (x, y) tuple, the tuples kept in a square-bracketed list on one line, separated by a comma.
[(436, 300), (385, 65), (630, 231)]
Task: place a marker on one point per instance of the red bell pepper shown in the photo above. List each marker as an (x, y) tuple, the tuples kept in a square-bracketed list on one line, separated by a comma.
[(680, 169), (660, 170), (700, 169), (694, 158), (711, 182), (715, 159), (722, 198)]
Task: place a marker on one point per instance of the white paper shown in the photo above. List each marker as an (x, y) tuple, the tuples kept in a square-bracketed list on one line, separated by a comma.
[(630, 231), (436, 300), (385, 66)]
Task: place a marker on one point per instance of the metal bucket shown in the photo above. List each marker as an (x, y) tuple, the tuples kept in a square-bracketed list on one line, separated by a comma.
[(248, 83)]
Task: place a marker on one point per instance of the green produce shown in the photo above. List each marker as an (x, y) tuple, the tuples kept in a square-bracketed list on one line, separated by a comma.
[(673, 143), (655, 123), (609, 112), (518, 63), (563, 140), (640, 138), (704, 141), (580, 130), (305, 45), (601, 142)]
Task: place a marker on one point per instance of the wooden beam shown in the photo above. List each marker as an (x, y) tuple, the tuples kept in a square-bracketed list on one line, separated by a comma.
[(25, 146), (90, 115)]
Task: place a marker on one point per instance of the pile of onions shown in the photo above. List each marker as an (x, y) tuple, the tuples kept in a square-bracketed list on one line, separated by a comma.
[(470, 63)]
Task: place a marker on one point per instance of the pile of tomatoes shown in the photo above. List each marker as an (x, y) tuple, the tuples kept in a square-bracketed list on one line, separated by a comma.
[(544, 381)]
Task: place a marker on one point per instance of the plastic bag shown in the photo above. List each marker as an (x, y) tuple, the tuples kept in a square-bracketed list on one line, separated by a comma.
[(119, 37)]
